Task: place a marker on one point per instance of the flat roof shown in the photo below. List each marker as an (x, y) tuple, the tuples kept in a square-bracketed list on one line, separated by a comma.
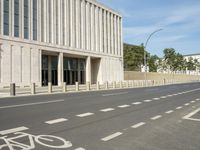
[(192, 54)]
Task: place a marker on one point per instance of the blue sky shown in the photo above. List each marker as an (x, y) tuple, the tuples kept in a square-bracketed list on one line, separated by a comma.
[(179, 19)]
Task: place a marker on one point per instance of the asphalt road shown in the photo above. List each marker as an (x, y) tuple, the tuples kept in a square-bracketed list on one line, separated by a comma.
[(154, 118)]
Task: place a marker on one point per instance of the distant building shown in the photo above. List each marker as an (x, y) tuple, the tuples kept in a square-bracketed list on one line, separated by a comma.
[(59, 41), (193, 56)]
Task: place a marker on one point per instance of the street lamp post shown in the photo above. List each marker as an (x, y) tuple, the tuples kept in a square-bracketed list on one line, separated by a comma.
[(145, 57)]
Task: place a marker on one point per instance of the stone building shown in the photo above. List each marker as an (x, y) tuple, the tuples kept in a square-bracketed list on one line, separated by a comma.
[(59, 41)]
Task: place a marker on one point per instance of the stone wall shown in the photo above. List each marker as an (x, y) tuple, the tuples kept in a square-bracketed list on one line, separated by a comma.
[(132, 75)]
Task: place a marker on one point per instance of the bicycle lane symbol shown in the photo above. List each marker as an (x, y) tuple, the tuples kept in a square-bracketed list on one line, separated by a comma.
[(50, 141)]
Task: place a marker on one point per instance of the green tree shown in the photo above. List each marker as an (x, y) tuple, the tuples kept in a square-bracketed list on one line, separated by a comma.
[(153, 63)]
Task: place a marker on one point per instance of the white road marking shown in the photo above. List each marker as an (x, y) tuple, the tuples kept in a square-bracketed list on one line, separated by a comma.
[(80, 148), (114, 94), (156, 98), (163, 97), (180, 107), (156, 117), (30, 104), (123, 106), (112, 136), (169, 112), (188, 117), (85, 114), (187, 104), (192, 102), (147, 100), (138, 125), (56, 121), (5, 132), (169, 95), (107, 109), (137, 103), (197, 99)]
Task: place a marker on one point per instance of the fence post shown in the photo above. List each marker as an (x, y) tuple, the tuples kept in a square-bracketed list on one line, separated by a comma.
[(121, 84), (64, 87), (127, 84), (12, 89), (33, 88), (49, 87), (114, 85), (77, 86)]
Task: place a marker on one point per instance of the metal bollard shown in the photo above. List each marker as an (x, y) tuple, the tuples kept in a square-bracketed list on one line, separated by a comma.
[(77, 86), (88, 86), (64, 87), (49, 87), (33, 88), (12, 89)]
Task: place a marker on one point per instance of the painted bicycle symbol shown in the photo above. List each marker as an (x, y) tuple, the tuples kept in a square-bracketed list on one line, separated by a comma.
[(50, 141)]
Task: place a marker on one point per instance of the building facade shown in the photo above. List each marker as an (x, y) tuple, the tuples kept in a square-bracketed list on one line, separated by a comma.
[(59, 41)]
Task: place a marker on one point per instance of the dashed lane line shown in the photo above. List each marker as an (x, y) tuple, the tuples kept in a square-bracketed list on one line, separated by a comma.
[(85, 115), (80, 148), (138, 125), (156, 98), (163, 97), (187, 104), (107, 109), (180, 107), (147, 100), (124, 106), (9, 131), (169, 112), (56, 121), (156, 117), (137, 103), (112, 136), (192, 102)]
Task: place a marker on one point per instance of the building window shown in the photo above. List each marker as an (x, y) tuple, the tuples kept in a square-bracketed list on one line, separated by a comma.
[(16, 18), (26, 17), (34, 19), (6, 17)]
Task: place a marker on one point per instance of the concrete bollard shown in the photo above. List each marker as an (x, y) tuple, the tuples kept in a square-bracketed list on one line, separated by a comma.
[(164, 81), (114, 85), (88, 86), (132, 83), (64, 87), (77, 86), (98, 86), (49, 87), (127, 84), (33, 88), (121, 84), (106, 85), (12, 89)]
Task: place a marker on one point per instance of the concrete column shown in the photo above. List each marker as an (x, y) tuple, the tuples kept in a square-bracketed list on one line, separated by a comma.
[(112, 40), (30, 19), (92, 27), (100, 31), (87, 25), (71, 23), (22, 19), (60, 69), (88, 69), (60, 24), (108, 35), (115, 35), (96, 29), (105, 32), (45, 21), (66, 12), (39, 10), (106, 85)]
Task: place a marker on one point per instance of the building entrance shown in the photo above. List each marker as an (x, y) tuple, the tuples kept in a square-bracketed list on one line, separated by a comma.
[(74, 71), (49, 70)]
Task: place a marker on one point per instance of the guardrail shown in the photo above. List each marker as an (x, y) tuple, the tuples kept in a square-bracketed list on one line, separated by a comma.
[(14, 90)]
